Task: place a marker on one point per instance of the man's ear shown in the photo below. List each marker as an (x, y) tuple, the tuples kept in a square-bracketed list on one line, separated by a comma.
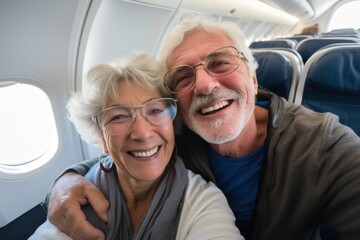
[(256, 86)]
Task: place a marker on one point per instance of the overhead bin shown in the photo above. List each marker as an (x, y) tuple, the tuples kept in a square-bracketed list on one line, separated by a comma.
[(163, 3), (299, 8), (243, 9)]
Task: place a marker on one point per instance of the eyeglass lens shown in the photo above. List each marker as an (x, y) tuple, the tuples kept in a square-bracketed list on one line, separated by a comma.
[(221, 62), (118, 120)]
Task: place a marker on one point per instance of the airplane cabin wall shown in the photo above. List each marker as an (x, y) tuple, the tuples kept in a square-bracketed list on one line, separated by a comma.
[(324, 19), (38, 43)]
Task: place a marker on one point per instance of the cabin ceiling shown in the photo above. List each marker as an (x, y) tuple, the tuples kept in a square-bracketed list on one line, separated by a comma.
[(303, 9)]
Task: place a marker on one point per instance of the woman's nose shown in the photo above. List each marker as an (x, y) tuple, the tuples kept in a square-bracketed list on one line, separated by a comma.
[(141, 128)]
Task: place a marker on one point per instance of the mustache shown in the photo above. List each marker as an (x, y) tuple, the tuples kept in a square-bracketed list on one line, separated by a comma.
[(201, 100)]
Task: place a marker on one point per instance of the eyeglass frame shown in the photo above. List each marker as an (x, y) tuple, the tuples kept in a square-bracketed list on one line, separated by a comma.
[(240, 56), (132, 110)]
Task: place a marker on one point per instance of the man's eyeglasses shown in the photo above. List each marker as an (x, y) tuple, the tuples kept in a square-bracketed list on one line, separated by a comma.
[(218, 63), (118, 120)]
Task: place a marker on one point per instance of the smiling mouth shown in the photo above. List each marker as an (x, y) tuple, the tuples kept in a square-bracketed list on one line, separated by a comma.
[(216, 107), (145, 154)]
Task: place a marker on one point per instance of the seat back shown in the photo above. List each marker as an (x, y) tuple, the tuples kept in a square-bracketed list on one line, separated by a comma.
[(25, 225), (299, 38), (275, 43), (341, 32), (330, 82), (308, 47), (279, 70)]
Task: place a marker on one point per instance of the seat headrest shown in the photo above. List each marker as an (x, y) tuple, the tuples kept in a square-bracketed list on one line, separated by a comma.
[(337, 70), (331, 83), (276, 43), (308, 47), (274, 72)]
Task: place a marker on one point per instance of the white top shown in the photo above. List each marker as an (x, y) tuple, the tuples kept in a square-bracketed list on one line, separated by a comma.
[(205, 215)]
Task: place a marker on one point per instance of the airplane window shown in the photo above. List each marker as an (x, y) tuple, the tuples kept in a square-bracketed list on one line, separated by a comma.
[(28, 136), (346, 16)]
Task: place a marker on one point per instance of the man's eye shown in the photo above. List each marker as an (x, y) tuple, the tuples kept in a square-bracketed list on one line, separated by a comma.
[(183, 79), (216, 65)]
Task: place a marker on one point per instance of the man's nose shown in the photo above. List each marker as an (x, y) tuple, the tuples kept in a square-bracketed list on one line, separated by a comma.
[(204, 82)]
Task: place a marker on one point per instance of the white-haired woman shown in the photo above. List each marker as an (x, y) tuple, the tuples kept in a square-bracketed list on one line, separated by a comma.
[(124, 109)]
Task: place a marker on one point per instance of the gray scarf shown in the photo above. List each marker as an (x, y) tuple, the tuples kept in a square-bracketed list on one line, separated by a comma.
[(161, 219)]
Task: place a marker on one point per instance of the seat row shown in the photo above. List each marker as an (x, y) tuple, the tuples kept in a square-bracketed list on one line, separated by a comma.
[(305, 45), (329, 81), (293, 41)]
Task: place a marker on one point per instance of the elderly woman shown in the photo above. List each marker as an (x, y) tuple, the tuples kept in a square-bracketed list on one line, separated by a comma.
[(124, 109)]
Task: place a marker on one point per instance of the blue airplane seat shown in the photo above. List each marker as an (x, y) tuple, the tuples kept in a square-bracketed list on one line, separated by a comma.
[(327, 35), (25, 225), (279, 70), (299, 38), (274, 43), (308, 47), (350, 32), (330, 82), (342, 30)]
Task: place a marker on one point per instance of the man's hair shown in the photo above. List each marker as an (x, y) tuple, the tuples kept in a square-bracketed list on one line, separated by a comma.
[(187, 24)]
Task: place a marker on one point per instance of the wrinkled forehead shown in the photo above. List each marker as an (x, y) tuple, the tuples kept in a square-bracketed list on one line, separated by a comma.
[(130, 93), (196, 45)]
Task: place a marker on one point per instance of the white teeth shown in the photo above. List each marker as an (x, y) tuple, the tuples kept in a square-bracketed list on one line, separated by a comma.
[(145, 154), (216, 107)]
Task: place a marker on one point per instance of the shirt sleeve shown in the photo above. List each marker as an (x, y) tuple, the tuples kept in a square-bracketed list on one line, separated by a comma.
[(48, 231), (81, 168), (206, 213)]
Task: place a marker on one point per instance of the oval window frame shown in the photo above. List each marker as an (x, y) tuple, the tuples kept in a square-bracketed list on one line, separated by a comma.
[(32, 166)]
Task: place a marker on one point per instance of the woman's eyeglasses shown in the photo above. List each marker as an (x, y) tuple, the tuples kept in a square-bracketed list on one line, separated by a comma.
[(118, 120)]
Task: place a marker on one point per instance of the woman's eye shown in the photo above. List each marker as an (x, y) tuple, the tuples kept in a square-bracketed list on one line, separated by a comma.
[(120, 118), (155, 111)]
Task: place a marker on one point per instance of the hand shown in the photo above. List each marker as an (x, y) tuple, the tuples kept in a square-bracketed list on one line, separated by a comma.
[(64, 208)]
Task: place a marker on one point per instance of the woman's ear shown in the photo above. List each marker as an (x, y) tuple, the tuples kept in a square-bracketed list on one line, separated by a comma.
[(104, 145)]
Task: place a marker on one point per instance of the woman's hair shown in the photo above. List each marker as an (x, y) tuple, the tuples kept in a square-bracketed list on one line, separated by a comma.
[(101, 85), (231, 30)]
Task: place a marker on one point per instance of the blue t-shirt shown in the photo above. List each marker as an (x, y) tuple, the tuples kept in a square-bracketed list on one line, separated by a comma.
[(238, 178)]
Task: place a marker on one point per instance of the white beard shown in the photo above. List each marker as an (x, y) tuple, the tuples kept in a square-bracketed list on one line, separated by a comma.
[(220, 130)]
